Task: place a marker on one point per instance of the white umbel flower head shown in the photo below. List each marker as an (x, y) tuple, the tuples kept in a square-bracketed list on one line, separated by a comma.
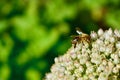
[(96, 59)]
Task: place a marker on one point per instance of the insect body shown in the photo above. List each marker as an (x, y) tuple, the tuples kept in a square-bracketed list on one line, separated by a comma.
[(82, 37)]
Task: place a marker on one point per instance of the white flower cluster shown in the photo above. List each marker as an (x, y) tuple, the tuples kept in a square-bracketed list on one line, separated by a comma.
[(97, 60)]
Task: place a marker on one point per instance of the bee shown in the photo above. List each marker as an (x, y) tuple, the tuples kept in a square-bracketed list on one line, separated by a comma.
[(82, 37)]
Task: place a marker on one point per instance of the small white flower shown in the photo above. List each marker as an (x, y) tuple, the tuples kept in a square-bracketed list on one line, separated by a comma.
[(88, 63), (71, 67), (109, 48), (79, 56), (112, 56), (117, 33), (93, 35), (102, 48), (101, 67), (110, 32), (118, 66), (118, 45), (115, 70), (110, 65), (85, 77), (83, 60), (104, 62), (76, 64), (56, 60), (90, 70), (77, 73), (73, 55), (80, 78), (67, 72), (100, 32), (91, 77), (116, 59), (112, 39), (81, 69), (100, 42), (103, 76)]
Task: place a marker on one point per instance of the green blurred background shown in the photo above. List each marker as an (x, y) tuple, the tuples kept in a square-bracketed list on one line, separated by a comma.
[(34, 32)]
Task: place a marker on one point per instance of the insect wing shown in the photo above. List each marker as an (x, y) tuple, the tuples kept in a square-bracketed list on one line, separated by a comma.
[(78, 31)]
